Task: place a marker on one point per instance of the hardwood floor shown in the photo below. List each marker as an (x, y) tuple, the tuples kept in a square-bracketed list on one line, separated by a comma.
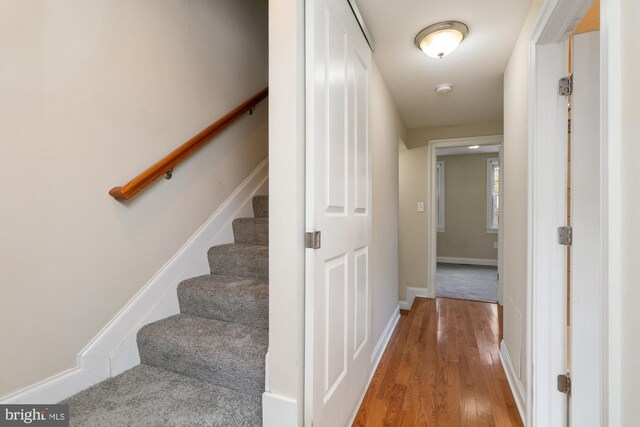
[(441, 368)]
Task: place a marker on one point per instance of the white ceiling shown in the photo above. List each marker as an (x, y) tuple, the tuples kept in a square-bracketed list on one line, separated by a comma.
[(475, 69), (455, 151)]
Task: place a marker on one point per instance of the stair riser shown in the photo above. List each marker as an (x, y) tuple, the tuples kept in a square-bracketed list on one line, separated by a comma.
[(246, 302), (216, 375), (251, 231), (248, 261), (261, 206)]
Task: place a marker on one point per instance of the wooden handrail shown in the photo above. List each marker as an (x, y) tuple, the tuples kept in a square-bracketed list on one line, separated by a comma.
[(168, 162)]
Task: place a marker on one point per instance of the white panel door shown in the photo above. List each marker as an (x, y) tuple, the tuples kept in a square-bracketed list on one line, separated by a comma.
[(586, 281), (338, 191)]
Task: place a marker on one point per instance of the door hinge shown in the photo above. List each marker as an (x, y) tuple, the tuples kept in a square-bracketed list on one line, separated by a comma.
[(565, 86), (312, 240), (564, 384), (565, 236)]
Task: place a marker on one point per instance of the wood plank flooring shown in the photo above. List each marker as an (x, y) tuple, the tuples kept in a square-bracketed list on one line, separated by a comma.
[(441, 368)]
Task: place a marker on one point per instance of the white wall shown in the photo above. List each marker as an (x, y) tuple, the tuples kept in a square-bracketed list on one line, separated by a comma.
[(421, 137), (93, 93), (630, 367), (514, 219), (283, 402), (387, 129)]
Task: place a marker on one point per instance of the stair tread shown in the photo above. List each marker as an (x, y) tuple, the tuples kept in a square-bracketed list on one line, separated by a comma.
[(239, 260), (148, 396), (227, 354), (251, 231), (240, 247), (255, 220), (233, 299)]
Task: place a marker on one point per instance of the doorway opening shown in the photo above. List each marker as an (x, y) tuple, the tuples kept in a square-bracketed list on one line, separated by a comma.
[(465, 208), (468, 216)]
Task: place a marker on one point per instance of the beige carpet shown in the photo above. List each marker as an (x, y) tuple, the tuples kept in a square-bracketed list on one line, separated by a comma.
[(472, 282)]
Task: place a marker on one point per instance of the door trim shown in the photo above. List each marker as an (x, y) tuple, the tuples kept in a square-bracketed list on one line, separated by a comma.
[(545, 280), (362, 24), (611, 165), (432, 202), (546, 211), (285, 369)]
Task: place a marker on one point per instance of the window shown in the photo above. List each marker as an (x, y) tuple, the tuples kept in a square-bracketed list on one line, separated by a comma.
[(440, 195), (493, 195)]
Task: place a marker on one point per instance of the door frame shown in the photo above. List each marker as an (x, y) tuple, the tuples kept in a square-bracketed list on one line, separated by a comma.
[(432, 204), (546, 210)]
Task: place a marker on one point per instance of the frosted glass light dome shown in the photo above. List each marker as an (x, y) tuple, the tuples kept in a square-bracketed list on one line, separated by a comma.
[(439, 40)]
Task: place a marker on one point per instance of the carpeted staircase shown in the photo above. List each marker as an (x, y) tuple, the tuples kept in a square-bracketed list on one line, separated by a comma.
[(204, 366)]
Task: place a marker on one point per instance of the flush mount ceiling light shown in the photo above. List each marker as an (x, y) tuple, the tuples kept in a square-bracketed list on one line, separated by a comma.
[(444, 88), (439, 40), (474, 147)]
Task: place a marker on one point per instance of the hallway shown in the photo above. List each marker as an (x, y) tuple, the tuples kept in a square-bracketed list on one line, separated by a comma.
[(442, 368)]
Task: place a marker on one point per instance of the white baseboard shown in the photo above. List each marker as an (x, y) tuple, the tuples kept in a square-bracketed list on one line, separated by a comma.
[(470, 261), (412, 293), (381, 345), (376, 355), (514, 382), (279, 411), (114, 349)]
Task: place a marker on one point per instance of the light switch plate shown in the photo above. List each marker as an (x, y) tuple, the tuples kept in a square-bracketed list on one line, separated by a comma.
[(495, 245), (420, 207)]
